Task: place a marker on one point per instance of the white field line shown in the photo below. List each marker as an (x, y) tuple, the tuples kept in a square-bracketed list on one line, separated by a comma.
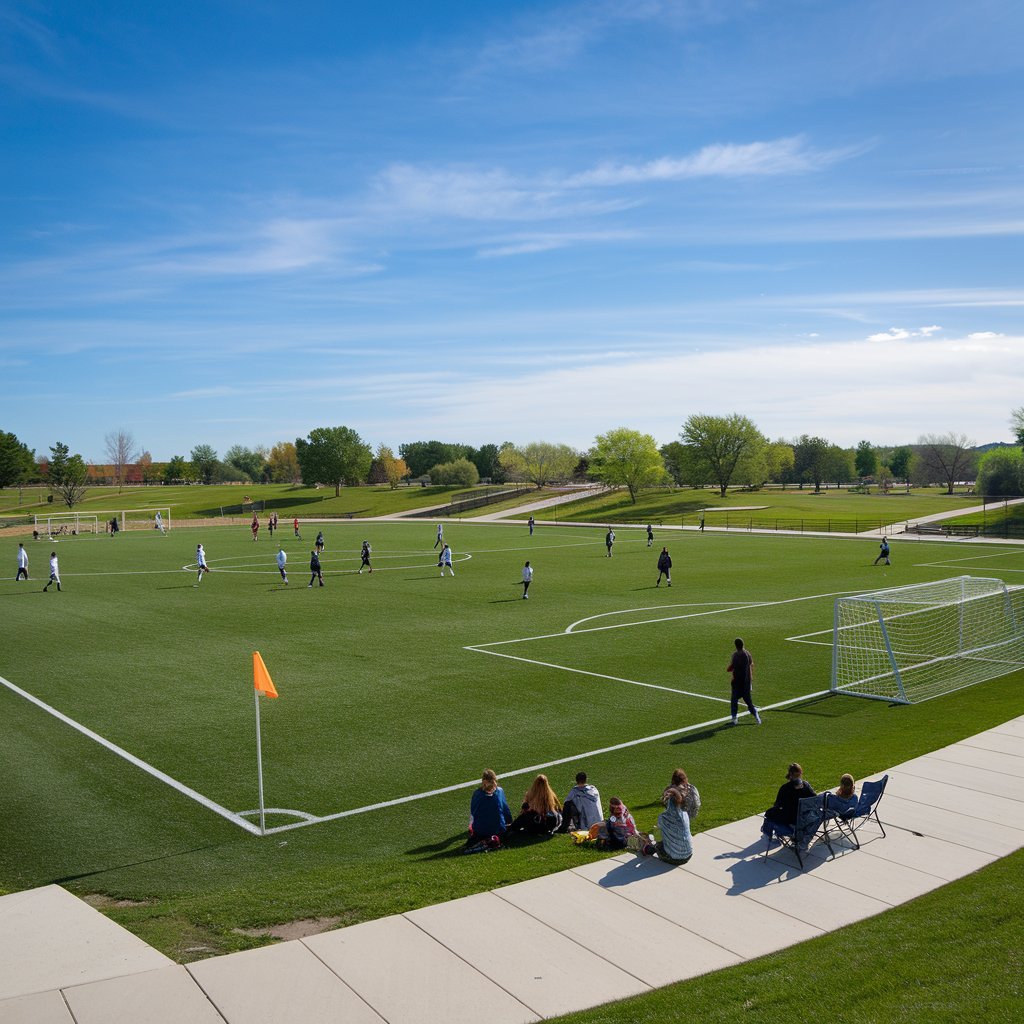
[(533, 768), (300, 566), (132, 759), (596, 675)]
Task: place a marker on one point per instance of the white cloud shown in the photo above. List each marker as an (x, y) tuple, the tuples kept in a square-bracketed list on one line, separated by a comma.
[(901, 333), (984, 335)]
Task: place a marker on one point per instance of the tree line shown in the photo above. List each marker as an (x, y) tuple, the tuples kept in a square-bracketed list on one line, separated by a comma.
[(711, 450)]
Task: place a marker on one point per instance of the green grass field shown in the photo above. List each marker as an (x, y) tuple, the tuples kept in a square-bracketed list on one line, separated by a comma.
[(397, 685)]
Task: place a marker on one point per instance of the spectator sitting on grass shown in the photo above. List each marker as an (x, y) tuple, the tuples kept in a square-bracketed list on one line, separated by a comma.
[(489, 813), (691, 798), (676, 844), (541, 813), (619, 831), (582, 807)]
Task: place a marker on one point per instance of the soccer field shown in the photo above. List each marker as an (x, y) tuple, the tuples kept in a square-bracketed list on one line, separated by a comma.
[(397, 688)]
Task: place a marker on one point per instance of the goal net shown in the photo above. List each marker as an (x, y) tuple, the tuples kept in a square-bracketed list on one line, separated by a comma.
[(145, 519), (60, 524), (909, 644)]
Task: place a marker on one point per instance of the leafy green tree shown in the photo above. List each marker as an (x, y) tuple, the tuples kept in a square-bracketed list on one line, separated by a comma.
[(627, 458), (419, 456), (17, 460), (866, 460), (386, 469), (1001, 473), (539, 462), (487, 463), (67, 474), (284, 463), (947, 457), (179, 470), (333, 455), (899, 463), (840, 464), (813, 460), (460, 473), (251, 461), (204, 461), (719, 442)]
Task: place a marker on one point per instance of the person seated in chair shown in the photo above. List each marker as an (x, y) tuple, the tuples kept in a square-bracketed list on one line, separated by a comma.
[(784, 811), (843, 802)]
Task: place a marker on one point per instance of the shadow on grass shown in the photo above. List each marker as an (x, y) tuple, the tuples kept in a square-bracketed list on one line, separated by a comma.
[(137, 863), (456, 845)]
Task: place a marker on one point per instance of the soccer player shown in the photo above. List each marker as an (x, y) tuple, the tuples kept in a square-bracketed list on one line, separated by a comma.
[(314, 568), (445, 561), (883, 552), (440, 536), (664, 567), (255, 527), (650, 535), (531, 522), (200, 563), (54, 572), (282, 561), (295, 527), (364, 554), (22, 564), (158, 523), (609, 540), (527, 580), (320, 542), (742, 668), (271, 523)]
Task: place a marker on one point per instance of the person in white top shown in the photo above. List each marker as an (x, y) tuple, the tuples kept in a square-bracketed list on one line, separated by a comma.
[(440, 536), (22, 563), (54, 572), (159, 523), (445, 561), (201, 563), (282, 560), (527, 580)]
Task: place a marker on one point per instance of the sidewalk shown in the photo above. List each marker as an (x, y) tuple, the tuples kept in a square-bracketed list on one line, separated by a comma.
[(540, 948)]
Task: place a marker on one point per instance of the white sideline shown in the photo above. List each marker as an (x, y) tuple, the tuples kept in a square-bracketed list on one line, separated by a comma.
[(132, 759)]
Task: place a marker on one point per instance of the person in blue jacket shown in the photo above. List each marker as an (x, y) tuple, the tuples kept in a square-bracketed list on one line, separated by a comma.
[(489, 813)]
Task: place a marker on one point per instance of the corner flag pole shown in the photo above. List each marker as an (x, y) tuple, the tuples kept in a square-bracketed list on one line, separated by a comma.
[(262, 683)]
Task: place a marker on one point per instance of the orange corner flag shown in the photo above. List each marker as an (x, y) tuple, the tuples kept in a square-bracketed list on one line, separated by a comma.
[(261, 677)]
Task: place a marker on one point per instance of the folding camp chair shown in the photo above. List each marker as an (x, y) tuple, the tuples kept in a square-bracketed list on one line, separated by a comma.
[(850, 823), (810, 818)]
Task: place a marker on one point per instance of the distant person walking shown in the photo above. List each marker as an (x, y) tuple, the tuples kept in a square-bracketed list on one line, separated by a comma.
[(295, 527), (314, 568), (255, 527), (282, 561), (650, 535), (664, 567), (440, 536), (701, 524), (271, 524), (364, 555), (201, 566), (445, 561), (54, 572), (742, 668), (527, 580), (531, 522), (883, 552), (22, 564), (320, 542), (609, 540)]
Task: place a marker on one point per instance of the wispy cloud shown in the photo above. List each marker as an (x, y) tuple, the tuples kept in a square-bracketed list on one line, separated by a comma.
[(901, 333)]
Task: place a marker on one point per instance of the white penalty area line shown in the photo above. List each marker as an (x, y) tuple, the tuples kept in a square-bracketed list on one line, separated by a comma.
[(132, 759), (533, 768)]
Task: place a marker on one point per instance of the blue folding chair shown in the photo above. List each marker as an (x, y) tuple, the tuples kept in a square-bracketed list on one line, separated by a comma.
[(849, 823), (810, 819)]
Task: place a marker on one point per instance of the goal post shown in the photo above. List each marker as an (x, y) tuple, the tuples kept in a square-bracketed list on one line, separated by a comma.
[(56, 524), (909, 644), (145, 519)]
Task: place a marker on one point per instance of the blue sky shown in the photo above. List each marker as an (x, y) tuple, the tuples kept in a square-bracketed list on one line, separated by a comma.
[(233, 221)]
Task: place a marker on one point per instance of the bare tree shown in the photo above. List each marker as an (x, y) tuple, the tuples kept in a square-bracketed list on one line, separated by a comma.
[(947, 457), (122, 451)]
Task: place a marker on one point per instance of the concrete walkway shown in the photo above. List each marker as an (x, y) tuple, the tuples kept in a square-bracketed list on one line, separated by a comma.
[(540, 948)]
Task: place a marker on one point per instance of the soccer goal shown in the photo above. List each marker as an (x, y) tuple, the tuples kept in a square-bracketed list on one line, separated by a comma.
[(910, 644), (60, 524), (145, 519)]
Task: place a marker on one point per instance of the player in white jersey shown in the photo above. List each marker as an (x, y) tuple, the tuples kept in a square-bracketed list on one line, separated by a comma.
[(282, 561), (54, 572), (201, 563)]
